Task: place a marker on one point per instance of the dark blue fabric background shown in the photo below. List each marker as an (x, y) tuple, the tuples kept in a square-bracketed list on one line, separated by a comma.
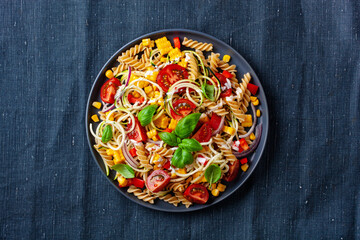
[(307, 55)]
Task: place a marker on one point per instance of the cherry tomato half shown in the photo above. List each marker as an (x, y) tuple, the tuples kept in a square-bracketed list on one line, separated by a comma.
[(157, 180), (171, 74), (204, 133), (134, 100), (139, 132), (108, 90), (182, 107), (233, 171), (215, 121), (197, 193), (222, 79)]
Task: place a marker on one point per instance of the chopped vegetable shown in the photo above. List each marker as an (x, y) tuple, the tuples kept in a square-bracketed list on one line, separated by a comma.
[(174, 54), (97, 105), (151, 133), (252, 136), (243, 144), (164, 45), (244, 167), (227, 74), (229, 130), (177, 43), (256, 102), (243, 160), (252, 88), (95, 118), (109, 74), (221, 187), (248, 121), (133, 152), (146, 42), (258, 113), (226, 58), (215, 192)]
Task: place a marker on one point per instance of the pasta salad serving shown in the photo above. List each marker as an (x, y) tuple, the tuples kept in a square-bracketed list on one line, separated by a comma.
[(174, 123)]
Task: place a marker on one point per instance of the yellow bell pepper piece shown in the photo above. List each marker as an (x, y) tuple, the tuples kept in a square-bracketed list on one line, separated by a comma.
[(215, 192), (181, 171), (97, 105), (248, 121), (118, 157), (151, 133), (226, 58), (221, 187), (172, 124), (110, 152), (229, 130), (122, 181), (163, 59), (148, 89), (146, 42), (244, 167), (252, 136), (95, 118)]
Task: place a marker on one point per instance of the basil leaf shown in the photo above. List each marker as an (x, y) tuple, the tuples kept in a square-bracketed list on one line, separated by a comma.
[(208, 91), (178, 140), (169, 138), (213, 174), (146, 114), (187, 125), (181, 158), (125, 170), (191, 145), (107, 134)]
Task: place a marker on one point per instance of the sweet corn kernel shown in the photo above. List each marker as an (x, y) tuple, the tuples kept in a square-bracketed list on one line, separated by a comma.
[(118, 157), (215, 192), (110, 152), (156, 94), (172, 124), (164, 45), (229, 130), (146, 42), (258, 113), (122, 181), (253, 99), (248, 121), (97, 105), (183, 63), (95, 118), (256, 102), (148, 89), (174, 54), (244, 167), (252, 136), (109, 74), (163, 59), (221, 187), (153, 76), (181, 171), (152, 133)]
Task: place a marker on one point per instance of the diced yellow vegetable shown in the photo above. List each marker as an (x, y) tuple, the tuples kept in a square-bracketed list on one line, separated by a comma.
[(156, 94), (174, 54), (213, 185), (172, 124), (183, 63), (256, 102), (110, 152), (173, 175), (252, 136), (215, 192), (229, 130), (156, 158), (133, 77), (95, 118), (111, 118), (152, 133), (150, 94), (226, 58), (161, 102), (154, 74), (148, 89), (221, 187), (164, 45), (258, 113), (136, 94), (181, 171), (244, 167), (97, 105), (146, 42), (248, 121), (109, 74), (162, 121), (122, 181), (163, 59), (253, 99), (118, 157), (155, 138)]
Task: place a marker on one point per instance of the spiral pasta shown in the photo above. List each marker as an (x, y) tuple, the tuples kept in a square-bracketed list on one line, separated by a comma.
[(150, 91), (197, 45)]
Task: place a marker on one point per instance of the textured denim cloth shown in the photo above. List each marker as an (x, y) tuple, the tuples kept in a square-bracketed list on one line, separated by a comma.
[(306, 53)]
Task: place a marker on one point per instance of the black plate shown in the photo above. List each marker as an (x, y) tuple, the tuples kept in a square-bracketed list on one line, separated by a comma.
[(242, 67)]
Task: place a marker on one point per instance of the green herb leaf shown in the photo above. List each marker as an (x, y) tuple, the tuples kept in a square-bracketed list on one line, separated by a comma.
[(191, 145), (146, 114), (181, 158), (125, 170), (187, 125), (107, 134), (169, 138), (178, 140), (213, 174), (208, 91)]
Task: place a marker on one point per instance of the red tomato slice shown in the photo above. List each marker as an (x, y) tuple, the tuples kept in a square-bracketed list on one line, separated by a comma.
[(139, 132), (134, 100), (182, 107), (108, 90), (233, 171), (204, 133), (222, 79), (171, 74), (157, 180), (215, 121), (197, 193)]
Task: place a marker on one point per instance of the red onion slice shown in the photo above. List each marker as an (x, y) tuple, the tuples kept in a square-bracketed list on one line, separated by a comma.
[(253, 146), (221, 125), (128, 158), (108, 109), (254, 123)]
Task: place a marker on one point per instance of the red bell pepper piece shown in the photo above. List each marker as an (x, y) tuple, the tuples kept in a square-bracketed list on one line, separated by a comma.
[(168, 130), (243, 160), (137, 182), (133, 99), (167, 165), (243, 144), (227, 74), (252, 88), (133, 152), (177, 43)]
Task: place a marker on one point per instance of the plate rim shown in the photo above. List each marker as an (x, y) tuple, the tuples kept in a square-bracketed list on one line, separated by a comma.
[(154, 206)]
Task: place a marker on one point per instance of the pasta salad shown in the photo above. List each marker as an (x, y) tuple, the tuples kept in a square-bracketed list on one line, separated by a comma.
[(175, 123)]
